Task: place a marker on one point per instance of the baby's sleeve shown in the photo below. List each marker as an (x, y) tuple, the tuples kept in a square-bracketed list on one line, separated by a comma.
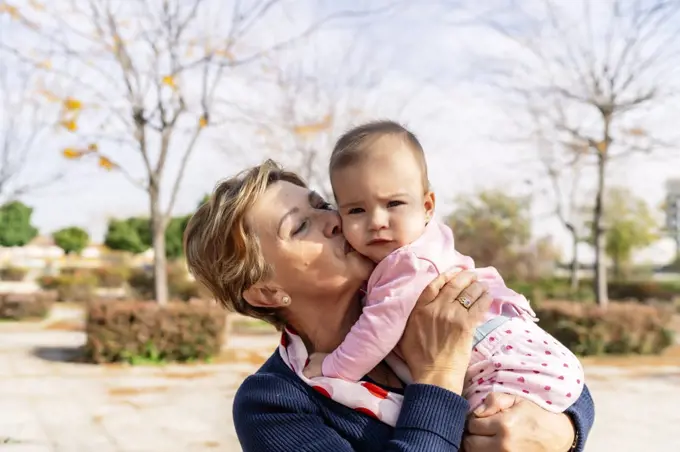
[(388, 305), (520, 358)]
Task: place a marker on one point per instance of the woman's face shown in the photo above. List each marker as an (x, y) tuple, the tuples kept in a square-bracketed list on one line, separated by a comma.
[(301, 237)]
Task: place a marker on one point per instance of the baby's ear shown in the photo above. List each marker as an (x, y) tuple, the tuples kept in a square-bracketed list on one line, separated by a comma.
[(428, 204)]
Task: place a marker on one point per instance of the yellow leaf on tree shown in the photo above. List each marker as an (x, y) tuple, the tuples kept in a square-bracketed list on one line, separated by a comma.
[(225, 53), (190, 47), (71, 153), (637, 132), (47, 64), (50, 96), (36, 5), (202, 122), (106, 163), (70, 125), (310, 129), (601, 146), (92, 147), (72, 104), (170, 81), (13, 11)]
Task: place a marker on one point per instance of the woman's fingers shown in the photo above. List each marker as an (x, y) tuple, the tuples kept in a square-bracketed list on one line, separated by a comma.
[(482, 305), (453, 288), (432, 290), (475, 443), (472, 292), (487, 426)]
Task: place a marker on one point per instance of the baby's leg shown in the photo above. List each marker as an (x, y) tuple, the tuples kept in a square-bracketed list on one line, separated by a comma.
[(520, 358)]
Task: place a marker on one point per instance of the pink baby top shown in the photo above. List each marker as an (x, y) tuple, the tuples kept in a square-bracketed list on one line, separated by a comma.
[(531, 362)]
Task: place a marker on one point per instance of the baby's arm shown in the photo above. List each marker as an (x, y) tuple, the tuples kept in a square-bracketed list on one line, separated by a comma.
[(520, 358), (384, 317)]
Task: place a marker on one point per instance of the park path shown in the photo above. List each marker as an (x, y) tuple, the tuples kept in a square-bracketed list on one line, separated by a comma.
[(48, 405)]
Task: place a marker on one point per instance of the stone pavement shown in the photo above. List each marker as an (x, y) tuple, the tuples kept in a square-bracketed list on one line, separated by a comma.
[(47, 405)]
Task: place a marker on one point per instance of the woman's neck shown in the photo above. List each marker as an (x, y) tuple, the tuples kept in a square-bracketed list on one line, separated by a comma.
[(323, 328)]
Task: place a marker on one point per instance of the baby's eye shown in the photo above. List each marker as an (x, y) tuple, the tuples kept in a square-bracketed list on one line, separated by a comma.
[(395, 203), (355, 210)]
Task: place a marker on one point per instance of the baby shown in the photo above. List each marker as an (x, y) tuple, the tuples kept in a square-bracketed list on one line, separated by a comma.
[(379, 178)]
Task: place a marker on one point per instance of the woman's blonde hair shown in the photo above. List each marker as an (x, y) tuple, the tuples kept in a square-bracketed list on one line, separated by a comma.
[(222, 252)]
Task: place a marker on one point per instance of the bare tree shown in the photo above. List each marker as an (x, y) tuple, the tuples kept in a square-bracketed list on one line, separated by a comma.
[(562, 164), (22, 127), (151, 77), (594, 76), (317, 94)]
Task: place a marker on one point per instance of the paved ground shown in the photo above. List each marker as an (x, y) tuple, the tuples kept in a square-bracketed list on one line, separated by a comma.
[(47, 405), (52, 406)]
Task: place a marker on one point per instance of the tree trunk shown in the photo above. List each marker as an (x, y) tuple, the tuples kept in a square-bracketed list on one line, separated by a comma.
[(601, 295), (574, 273), (158, 225), (617, 268)]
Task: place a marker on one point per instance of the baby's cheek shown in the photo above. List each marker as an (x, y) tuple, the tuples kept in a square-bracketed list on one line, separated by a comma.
[(352, 232), (412, 228)]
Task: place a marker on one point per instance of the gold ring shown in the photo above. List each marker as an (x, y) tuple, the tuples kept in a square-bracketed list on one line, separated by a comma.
[(465, 301)]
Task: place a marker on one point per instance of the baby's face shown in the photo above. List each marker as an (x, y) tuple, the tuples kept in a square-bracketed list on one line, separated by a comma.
[(382, 201)]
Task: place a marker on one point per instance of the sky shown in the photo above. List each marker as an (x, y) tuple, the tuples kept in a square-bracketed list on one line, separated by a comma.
[(427, 66)]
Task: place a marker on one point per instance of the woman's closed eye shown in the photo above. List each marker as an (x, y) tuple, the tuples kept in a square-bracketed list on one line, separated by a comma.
[(300, 228)]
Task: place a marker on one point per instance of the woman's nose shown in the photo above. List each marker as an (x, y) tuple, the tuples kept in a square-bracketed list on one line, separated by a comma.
[(332, 223)]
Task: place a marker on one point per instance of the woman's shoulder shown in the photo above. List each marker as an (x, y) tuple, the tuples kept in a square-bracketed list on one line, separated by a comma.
[(274, 383)]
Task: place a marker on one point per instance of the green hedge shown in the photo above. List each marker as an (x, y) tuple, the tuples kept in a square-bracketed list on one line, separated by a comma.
[(24, 306), (134, 331), (559, 289), (623, 328)]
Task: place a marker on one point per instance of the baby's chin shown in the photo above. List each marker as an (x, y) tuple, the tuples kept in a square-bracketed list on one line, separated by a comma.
[(377, 255)]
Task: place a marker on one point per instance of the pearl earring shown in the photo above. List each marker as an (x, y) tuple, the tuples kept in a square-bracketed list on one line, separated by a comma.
[(285, 300)]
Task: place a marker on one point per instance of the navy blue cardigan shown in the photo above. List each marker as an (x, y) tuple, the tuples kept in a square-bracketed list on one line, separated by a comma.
[(275, 411)]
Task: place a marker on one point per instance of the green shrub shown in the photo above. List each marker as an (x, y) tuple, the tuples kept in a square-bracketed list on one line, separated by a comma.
[(133, 331), (559, 289), (13, 274), (23, 306), (552, 289), (111, 277), (71, 285), (179, 285), (643, 290), (622, 328)]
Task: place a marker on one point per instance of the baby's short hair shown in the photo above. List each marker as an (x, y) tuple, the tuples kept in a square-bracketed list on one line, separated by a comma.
[(353, 145)]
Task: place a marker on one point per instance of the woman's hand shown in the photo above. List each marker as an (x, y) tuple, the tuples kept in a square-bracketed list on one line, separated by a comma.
[(314, 367), (437, 341), (507, 423)]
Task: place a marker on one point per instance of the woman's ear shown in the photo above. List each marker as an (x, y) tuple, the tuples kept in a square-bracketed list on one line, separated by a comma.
[(264, 296)]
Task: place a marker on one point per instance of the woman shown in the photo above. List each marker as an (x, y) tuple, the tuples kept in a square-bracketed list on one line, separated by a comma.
[(268, 247)]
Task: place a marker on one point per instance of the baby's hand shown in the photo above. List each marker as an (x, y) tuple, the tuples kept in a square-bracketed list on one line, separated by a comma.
[(313, 369)]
